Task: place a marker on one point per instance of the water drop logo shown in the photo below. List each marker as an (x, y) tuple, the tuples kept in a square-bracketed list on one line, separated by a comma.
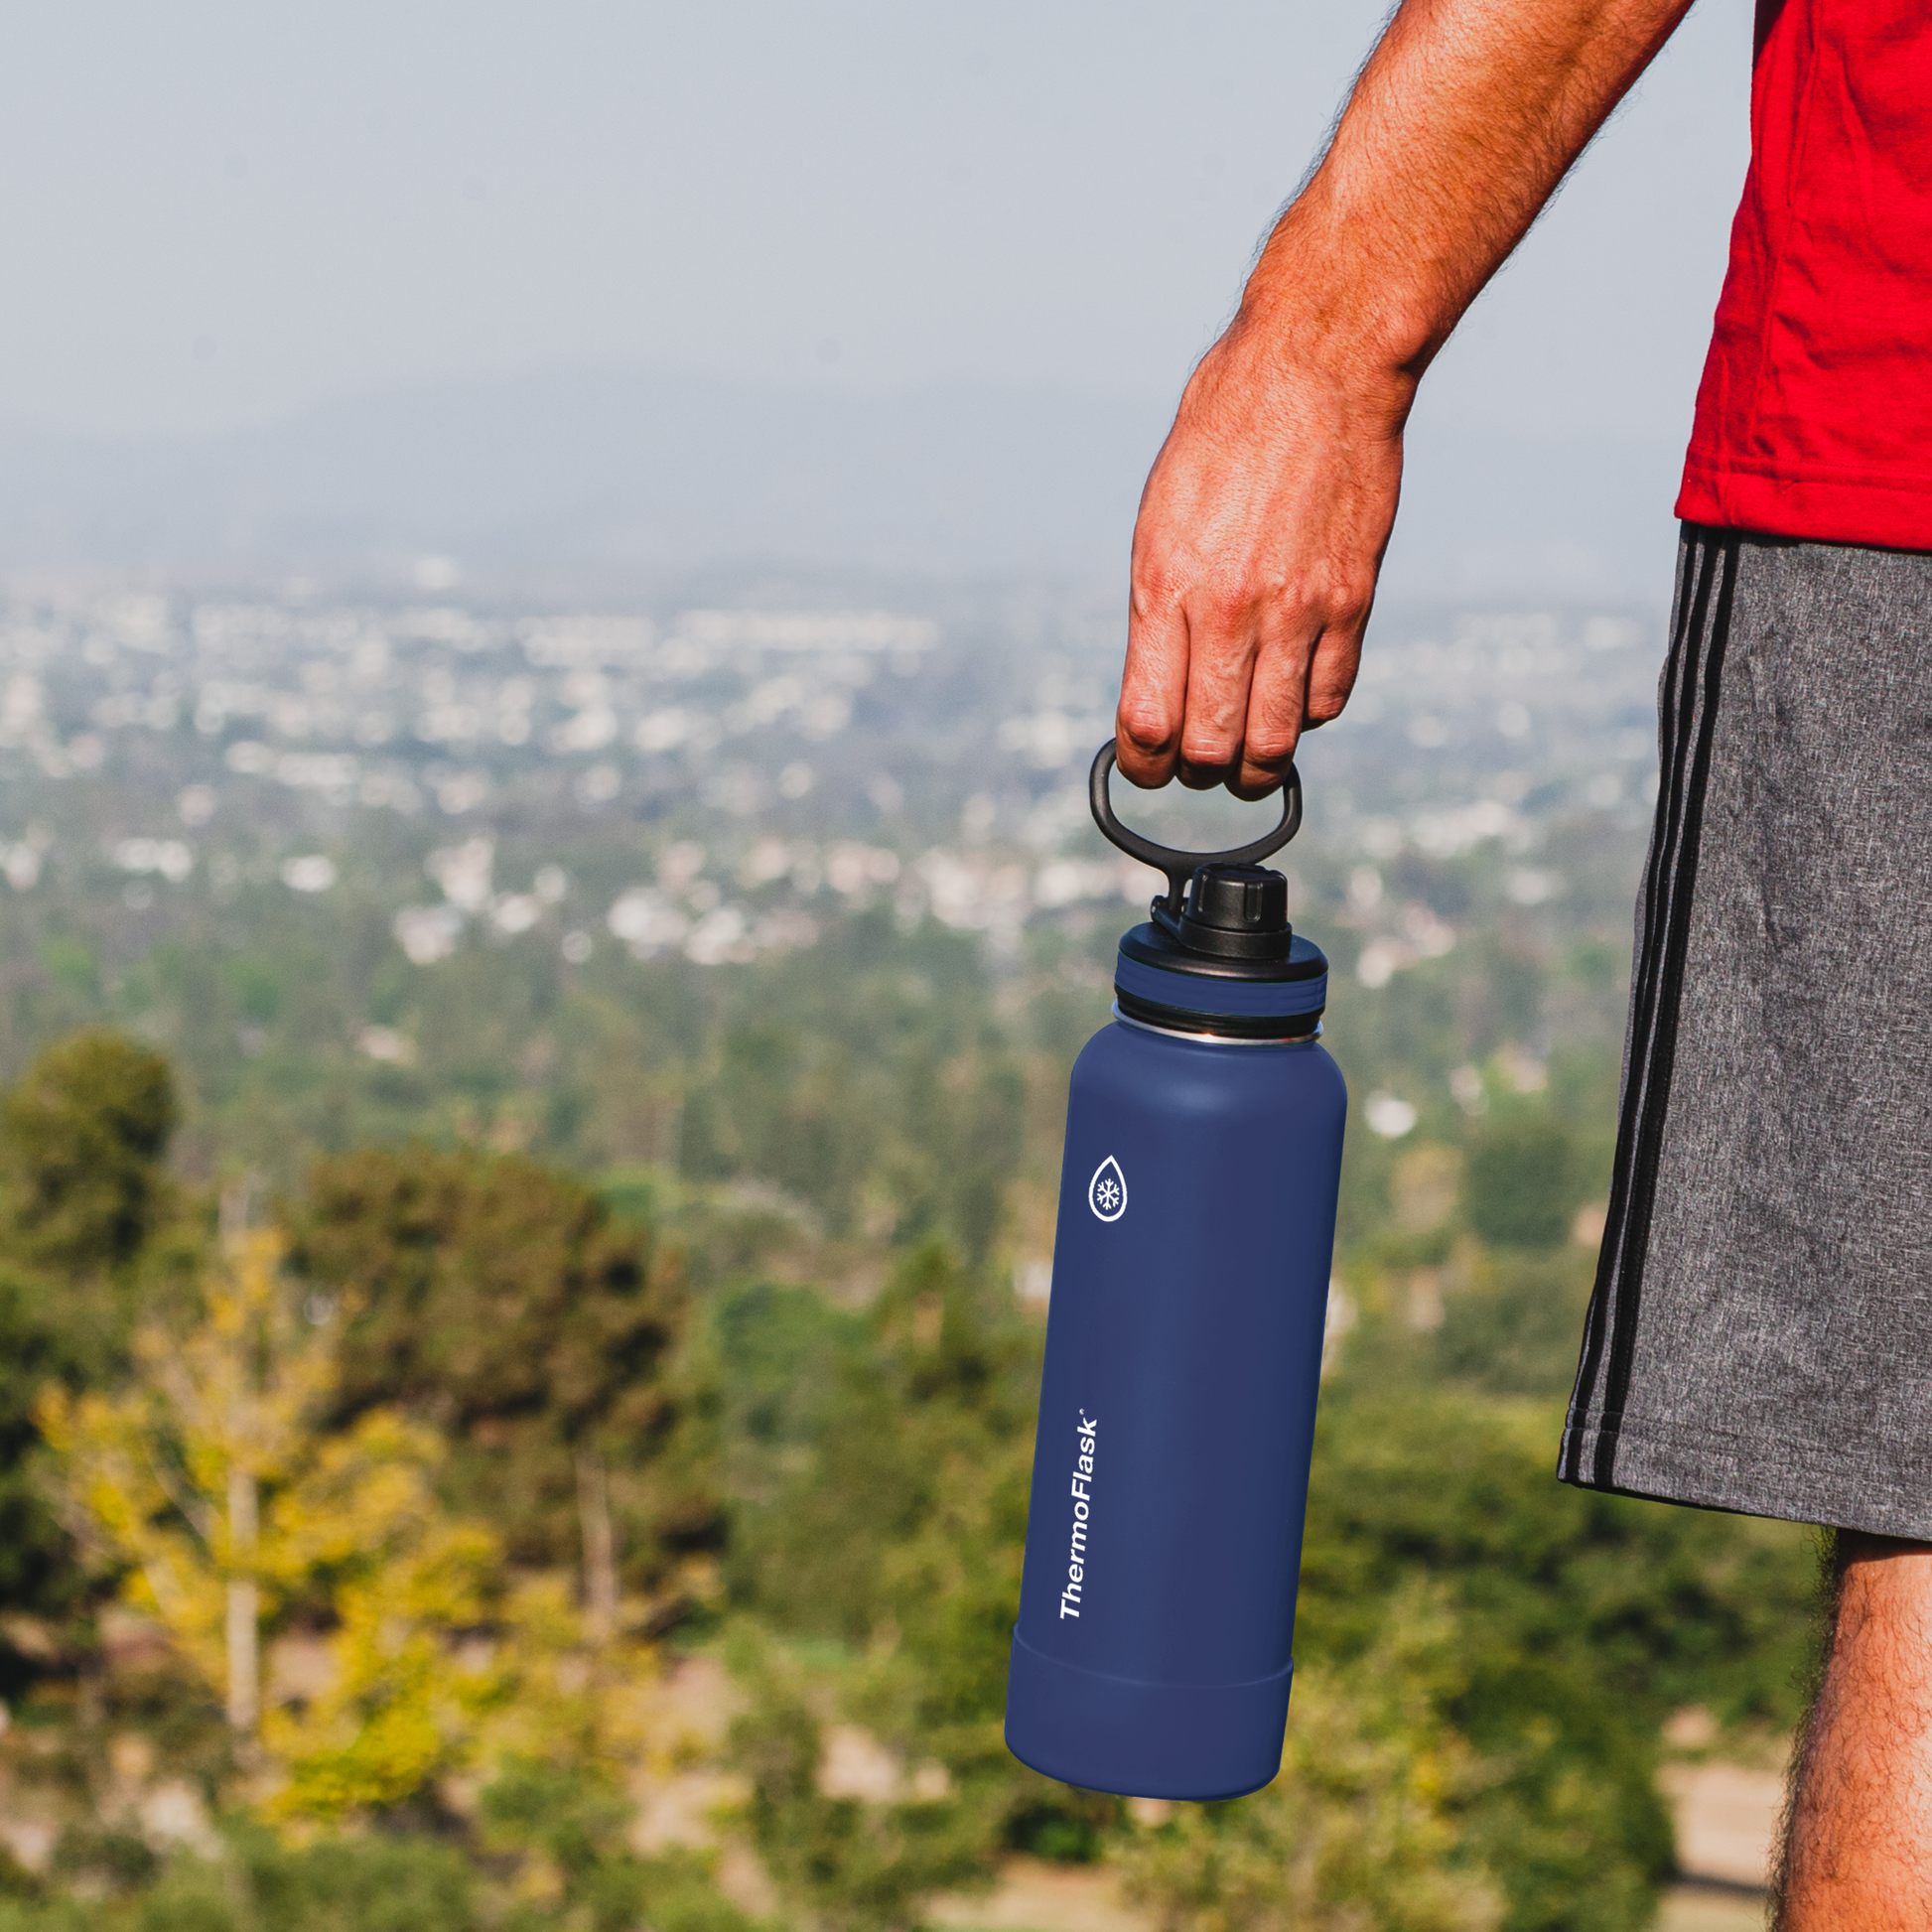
[(1106, 1190)]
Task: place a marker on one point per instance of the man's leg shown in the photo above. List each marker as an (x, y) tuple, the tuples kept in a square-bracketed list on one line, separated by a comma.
[(1857, 1850)]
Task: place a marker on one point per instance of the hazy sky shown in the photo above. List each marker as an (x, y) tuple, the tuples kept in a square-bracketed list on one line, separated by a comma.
[(215, 213)]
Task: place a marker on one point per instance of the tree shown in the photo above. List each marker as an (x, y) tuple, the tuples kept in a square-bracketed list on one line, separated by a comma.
[(82, 1141), (83, 1194), (494, 1299), (1362, 1832), (38, 1571), (900, 1533), (1523, 1180), (869, 1079), (853, 1865), (167, 1473)]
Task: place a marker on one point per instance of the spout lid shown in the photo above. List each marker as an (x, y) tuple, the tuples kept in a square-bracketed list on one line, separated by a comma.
[(1231, 912), (1217, 954)]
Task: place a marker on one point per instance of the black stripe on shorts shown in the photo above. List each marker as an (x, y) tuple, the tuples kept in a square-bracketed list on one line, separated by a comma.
[(1686, 718)]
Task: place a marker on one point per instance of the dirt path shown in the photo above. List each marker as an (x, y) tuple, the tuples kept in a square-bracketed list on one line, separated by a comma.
[(1036, 1897), (1687, 1909), (1726, 1818)]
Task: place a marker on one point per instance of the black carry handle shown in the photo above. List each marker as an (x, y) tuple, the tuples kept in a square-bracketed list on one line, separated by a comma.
[(1180, 865)]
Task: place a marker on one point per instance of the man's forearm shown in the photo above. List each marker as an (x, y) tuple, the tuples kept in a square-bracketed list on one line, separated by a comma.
[(1263, 524), (1463, 124)]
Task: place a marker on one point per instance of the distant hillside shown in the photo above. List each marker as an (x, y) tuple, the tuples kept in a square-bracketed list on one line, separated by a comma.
[(638, 473)]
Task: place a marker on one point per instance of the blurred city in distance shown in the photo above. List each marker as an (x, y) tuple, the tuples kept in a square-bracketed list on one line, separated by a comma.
[(711, 780)]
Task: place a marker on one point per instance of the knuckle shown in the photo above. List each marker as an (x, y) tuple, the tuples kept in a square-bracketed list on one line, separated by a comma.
[(1145, 738), (1150, 601), (1158, 584), (1210, 741), (1350, 591), (1295, 601), (1237, 595), (1229, 599), (1207, 743)]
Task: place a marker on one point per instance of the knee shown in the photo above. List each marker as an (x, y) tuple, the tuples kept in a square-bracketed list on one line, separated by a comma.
[(1857, 1549)]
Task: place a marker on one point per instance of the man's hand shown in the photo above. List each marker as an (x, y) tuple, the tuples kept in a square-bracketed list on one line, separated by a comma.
[(1259, 534), (1263, 526)]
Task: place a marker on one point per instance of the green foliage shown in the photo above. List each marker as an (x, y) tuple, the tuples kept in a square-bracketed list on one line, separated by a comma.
[(557, 1835), (39, 1345), (1513, 1325), (567, 1828), (1368, 1825), (1662, 1606), (782, 1357), (496, 1298), (1523, 1182), (367, 1883), (1581, 1621), (81, 1138), (371, 1883), (64, 1914), (16, 1881), (865, 1077), (899, 1536), (857, 1866), (115, 1860), (916, 1423), (83, 1192)]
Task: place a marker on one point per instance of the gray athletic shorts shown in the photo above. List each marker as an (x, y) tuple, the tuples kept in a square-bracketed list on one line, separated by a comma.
[(1760, 1336)]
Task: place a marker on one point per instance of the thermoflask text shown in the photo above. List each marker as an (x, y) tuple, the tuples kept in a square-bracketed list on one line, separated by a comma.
[(1184, 1343)]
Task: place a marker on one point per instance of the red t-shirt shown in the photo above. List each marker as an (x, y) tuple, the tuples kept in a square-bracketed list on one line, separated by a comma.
[(1814, 418)]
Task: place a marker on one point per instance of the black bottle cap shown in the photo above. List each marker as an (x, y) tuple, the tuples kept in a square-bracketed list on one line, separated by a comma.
[(1232, 911)]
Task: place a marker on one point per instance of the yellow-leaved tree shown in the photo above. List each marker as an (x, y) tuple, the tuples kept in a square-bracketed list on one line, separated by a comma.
[(212, 1480), (167, 1472)]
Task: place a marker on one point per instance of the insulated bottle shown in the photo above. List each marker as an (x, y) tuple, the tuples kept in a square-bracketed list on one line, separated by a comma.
[(1184, 1343)]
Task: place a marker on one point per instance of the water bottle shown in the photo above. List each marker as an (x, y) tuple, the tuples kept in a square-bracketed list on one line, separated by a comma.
[(1184, 1343)]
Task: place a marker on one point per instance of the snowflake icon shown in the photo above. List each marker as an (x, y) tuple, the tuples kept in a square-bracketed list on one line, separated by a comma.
[(1106, 1190)]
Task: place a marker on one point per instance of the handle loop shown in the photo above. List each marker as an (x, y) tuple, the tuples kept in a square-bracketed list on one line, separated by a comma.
[(1180, 865)]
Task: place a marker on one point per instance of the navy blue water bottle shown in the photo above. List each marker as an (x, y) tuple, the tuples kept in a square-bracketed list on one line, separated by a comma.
[(1184, 1343)]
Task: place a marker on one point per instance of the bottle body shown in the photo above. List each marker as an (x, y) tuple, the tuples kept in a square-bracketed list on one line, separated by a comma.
[(1183, 1353)]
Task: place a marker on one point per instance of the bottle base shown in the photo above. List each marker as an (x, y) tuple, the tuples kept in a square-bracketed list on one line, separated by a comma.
[(1196, 1742)]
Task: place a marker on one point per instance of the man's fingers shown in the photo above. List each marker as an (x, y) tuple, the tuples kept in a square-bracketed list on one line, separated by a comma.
[(1331, 672), (1276, 696), (1223, 696), (1153, 691), (1225, 628), (1299, 685)]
